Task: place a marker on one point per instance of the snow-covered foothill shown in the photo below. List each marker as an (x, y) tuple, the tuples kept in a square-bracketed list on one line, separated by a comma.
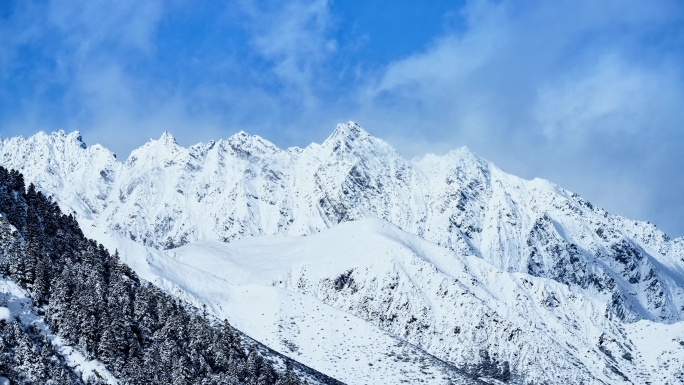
[(367, 288), (451, 306), (300, 326)]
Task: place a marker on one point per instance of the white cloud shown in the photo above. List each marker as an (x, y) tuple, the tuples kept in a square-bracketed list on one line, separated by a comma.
[(610, 99), (580, 92), (294, 36), (119, 24)]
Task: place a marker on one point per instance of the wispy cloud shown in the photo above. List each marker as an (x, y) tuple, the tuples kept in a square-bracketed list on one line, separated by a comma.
[(104, 26), (608, 99), (294, 36), (582, 93), (291, 47)]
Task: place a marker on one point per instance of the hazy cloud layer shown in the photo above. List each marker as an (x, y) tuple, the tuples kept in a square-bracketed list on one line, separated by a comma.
[(587, 94)]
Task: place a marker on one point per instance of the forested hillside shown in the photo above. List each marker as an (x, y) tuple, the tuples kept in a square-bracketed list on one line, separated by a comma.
[(94, 302)]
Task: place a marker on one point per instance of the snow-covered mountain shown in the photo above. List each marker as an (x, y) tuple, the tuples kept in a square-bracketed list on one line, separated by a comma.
[(254, 295), (165, 196), (429, 311), (482, 270)]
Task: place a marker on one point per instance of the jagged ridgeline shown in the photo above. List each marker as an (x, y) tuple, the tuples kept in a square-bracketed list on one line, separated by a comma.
[(96, 303)]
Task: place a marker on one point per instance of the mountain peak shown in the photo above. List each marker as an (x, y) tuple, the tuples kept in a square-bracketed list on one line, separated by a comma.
[(239, 137), (167, 138), (351, 130), (250, 146), (356, 129), (75, 136), (60, 136), (164, 150), (346, 134), (464, 152)]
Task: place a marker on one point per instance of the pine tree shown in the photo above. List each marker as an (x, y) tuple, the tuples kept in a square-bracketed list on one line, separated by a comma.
[(181, 372), (41, 286)]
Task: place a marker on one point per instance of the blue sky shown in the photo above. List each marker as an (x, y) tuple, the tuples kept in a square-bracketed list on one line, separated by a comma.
[(588, 94)]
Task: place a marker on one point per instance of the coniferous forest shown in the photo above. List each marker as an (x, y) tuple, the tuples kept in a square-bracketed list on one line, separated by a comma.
[(98, 305)]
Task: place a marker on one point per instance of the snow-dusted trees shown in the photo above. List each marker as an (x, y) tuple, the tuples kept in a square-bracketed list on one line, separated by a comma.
[(27, 358)]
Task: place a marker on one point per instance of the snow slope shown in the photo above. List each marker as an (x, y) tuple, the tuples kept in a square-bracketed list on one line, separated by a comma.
[(459, 309), (367, 292), (660, 347), (302, 327)]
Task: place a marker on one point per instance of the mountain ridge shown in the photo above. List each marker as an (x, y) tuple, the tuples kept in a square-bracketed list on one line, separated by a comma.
[(165, 195)]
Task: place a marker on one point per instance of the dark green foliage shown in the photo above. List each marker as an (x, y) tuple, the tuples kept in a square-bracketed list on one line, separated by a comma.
[(94, 302)]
